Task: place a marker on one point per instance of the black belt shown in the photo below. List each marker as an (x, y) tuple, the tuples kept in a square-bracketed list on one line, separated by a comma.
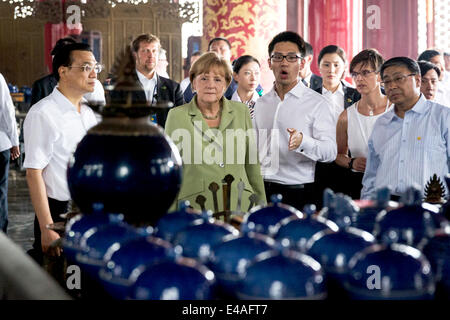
[(270, 184)]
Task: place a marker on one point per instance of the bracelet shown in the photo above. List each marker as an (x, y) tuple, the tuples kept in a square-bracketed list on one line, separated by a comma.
[(350, 164)]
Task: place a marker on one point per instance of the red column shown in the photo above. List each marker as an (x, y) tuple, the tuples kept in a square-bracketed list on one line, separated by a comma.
[(334, 22), (248, 25)]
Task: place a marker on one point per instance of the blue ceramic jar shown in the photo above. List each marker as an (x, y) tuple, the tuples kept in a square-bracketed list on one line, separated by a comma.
[(181, 279), (122, 260), (299, 231), (96, 242), (412, 223), (233, 255), (277, 275), (171, 223), (78, 225), (197, 239), (437, 251), (390, 272), (130, 166), (264, 219)]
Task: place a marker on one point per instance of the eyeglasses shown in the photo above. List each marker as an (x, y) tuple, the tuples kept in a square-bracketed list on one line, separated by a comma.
[(364, 73), (88, 68), (397, 80), (278, 57)]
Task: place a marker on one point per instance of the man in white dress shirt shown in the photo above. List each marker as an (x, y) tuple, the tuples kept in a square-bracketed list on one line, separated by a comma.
[(9, 147), (295, 126), (52, 129), (443, 88)]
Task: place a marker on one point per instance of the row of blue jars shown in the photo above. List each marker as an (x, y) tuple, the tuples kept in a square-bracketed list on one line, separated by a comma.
[(120, 257), (278, 271), (413, 224)]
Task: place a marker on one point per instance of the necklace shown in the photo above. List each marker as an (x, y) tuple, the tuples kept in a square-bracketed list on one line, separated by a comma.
[(212, 117)]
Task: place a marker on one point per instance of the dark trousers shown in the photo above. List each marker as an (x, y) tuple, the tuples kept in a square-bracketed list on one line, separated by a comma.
[(4, 171), (56, 208), (295, 195)]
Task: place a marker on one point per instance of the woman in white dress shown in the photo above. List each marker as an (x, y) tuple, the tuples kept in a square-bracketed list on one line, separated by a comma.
[(246, 72), (355, 124)]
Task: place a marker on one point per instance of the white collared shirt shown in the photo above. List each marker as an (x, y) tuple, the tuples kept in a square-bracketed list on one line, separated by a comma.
[(235, 97), (337, 98), (308, 112), (307, 79), (149, 85), (8, 125), (52, 130)]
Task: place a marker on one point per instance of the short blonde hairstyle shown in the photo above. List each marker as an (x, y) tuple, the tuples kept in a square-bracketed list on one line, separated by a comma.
[(207, 62)]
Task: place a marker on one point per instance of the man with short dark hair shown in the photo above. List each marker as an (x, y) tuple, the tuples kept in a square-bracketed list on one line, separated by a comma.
[(45, 85), (295, 126), (146, 49), (430, 74), (410, 143), (443, 88), (310, 79), (52, 129)]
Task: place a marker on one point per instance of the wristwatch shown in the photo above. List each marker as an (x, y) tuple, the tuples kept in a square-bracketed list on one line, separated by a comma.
[(350, 164)]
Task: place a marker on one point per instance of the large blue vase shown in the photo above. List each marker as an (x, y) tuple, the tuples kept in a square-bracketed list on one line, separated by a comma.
[(390, 272), (128, 166)]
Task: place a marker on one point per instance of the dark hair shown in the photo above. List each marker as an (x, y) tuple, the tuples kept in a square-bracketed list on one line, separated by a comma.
[(218, 39), (242, 61), (63, 56), (61, 43), (308, 49), (145, 37), (409, 63), (196, 54), (369, 57), (332, 49), (427, 55), (288, 36), (426, 66)]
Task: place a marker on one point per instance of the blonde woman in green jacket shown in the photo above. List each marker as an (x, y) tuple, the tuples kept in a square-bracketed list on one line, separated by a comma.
[(215, 138)]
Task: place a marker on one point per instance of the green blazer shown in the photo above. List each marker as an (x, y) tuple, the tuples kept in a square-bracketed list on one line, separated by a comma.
[(210, 154)]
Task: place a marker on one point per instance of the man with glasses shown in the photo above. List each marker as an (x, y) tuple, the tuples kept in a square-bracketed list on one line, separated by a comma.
[(411, 142), (44, 86), (52, 129), (295, 126)]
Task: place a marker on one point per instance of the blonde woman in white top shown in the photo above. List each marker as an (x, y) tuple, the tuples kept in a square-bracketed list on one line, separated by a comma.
[(355, 124), (246, 73)]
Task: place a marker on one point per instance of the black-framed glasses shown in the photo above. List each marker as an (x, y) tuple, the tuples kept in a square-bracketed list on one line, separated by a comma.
[(397, 79), (88, 68), (278, 57), (364, 73)]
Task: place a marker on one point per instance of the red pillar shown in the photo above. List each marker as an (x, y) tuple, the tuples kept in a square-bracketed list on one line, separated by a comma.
[(334, 22), (248, 25)]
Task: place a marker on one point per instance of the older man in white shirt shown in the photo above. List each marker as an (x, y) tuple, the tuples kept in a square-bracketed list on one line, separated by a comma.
[(52, 129), (295, 126), (9, 147)]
